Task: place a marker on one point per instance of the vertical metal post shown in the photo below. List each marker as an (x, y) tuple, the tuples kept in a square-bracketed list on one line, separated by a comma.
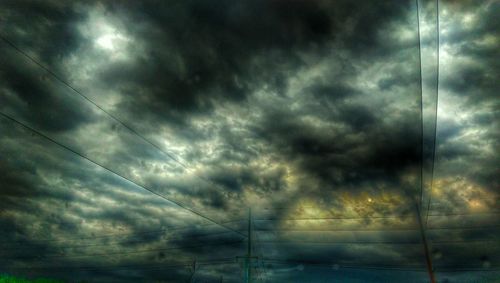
[(193, 271), (428, 259), (248, 261), (418, 204)]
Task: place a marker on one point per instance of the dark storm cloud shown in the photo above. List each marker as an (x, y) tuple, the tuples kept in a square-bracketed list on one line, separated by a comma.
[(47, 31), (330, 92), (487, 24), (29, 92), (468, 79), (34, 188), (379, 151), (47, 28), (234, 179), (199, 52), (190, 57), (266, 103), (400, 77), (368, 20), (469, 86), (477, 40)]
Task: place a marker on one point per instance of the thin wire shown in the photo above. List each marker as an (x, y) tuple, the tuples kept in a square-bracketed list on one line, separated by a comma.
[(122, 267), (375, 267), (4, 243), (466, 214), (229, 243), (57, 77), (117, 234), (329, 265), (368, 229), (126, 242), (458, 242), (119, 175), (494, 269), (376, 229), (374, 217), (436, 112), (419, 205), (367, 217), (421, 111), (464, 228), (326, 218), (437, 205)]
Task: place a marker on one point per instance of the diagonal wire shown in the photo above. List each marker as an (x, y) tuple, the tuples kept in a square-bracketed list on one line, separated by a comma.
[(104, 254), (436, 112), (379, 229), (378, 266), (172, 238), (371, 217), (118, 235), (418, 205), (61, 80), (179, 204), (131, 266), (421, 110), (454, 242)]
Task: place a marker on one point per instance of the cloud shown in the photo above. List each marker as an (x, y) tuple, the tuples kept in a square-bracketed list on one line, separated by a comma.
[(294, 108)]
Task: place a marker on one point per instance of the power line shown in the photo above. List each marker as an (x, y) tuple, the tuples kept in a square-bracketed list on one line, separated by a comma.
[(464, 269), (389, 216), (351, 230), (463, 200), (367, 217), (421, 110), (395, 229), (419, 204), (375, 267), (343, 266), (119, 175), (58, 78), (228, 243), (464, 228), (126, 267), (324, 218), (232, 221), (465, 214), (457, 242), (61, 80), (436, 111), (116, 234), (136, 241), (376, 229)]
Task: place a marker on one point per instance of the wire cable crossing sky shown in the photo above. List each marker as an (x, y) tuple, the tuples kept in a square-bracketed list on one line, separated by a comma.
[(250, 141)]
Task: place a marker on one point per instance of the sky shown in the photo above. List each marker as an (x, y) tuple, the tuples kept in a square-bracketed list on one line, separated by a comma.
[(136, 135)]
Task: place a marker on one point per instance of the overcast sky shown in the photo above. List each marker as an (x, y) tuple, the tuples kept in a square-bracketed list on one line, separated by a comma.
[(300, 110)]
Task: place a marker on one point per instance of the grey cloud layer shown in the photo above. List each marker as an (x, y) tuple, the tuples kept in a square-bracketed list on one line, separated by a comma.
[(276, 103)]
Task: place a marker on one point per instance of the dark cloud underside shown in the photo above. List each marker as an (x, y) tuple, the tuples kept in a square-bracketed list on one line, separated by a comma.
[(317, 110)]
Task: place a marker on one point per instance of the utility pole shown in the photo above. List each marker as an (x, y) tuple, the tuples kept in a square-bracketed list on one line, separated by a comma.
[(248, 258), (193, 271), (428, 259), (248, 261)]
